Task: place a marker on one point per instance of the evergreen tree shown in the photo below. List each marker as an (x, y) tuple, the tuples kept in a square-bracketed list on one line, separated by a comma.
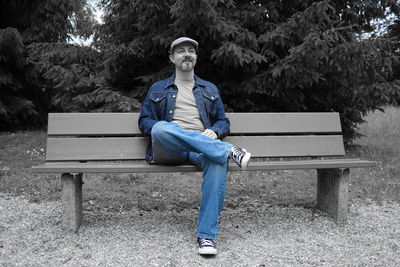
[(14, 106), (72, 78), (276, 55), (24, 102), (47, 20), (394, 34)]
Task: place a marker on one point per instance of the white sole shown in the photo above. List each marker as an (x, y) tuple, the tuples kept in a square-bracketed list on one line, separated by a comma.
[(207, 251)]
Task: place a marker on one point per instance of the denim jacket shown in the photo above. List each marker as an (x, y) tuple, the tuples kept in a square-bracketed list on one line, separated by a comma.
[(159, 105)]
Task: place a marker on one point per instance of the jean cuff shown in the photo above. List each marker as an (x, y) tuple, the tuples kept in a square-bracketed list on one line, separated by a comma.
[(228, 151), (206, 236)]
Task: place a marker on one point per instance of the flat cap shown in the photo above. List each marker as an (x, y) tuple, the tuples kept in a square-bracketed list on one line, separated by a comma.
[(181, 40)]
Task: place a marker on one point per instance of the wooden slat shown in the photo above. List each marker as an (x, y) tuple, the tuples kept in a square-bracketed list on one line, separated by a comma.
[(93, 124), (126, 123), (112, 148), (326, 122), (139, 167), (125, 148)]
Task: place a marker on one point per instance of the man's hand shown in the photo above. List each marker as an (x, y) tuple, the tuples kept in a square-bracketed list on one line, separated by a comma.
[(210, 133)]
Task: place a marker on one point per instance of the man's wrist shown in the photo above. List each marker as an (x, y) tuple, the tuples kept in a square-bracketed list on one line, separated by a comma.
[(215, 131)]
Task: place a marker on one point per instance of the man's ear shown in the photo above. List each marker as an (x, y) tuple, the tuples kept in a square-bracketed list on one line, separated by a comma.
[(171, 58)]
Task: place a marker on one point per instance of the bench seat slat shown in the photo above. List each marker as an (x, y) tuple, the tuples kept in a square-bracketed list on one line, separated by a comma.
[(140, 167), (104, 124), (127, 148)]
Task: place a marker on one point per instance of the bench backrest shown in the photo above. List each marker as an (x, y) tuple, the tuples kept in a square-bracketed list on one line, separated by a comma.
[(115, 136)]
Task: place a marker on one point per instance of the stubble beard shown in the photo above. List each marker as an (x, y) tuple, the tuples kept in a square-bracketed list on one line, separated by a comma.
[(185, 67), (187, 64)]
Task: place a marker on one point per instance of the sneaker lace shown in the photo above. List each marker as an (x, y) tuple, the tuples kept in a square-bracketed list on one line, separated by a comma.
[(206, 242), (237, 154)]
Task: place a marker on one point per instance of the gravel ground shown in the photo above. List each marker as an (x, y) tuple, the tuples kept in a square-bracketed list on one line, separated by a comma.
[(30, 235)]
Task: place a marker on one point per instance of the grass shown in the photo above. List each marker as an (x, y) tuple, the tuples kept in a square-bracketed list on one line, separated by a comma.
[(381, 142), (19, 151)]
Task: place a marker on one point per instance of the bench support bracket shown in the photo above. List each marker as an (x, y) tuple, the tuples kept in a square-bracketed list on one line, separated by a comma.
[(71, 198), (332, 193)]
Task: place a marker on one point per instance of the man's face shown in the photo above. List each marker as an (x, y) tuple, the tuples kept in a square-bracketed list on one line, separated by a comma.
[(184, 57)]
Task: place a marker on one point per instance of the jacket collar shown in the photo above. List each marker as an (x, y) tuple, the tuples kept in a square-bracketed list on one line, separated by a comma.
[(171, 79)]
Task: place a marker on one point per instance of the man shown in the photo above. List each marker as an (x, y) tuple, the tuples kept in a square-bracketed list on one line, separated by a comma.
[(185, 118)]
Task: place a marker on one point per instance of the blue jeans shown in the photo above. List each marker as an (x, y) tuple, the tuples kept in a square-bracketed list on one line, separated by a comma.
[(174, 145)]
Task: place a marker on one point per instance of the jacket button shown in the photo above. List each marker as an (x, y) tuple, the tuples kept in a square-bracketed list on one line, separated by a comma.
[(212, 98), (173, 96), (157, 99), (170, 111)]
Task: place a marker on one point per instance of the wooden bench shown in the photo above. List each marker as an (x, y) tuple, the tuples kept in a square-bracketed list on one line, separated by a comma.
[(80, 143)]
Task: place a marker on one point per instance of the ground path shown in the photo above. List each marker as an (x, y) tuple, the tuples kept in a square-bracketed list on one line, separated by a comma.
[(269, 235)]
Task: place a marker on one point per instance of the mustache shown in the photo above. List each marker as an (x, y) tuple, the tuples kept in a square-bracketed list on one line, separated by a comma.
[(188, 58)]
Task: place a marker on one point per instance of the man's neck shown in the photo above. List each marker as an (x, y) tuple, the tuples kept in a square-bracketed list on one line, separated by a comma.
[(184, 76)]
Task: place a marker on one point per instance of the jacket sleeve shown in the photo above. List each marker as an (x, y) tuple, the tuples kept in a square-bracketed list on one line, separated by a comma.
[(147, 116)]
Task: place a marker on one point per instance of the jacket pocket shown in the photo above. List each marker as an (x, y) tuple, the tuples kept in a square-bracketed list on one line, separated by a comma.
[(210, 102), (158, 102), (211, 96)]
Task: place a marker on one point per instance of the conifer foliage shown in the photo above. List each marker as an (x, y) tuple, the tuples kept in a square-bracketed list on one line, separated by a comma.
[(277, 55), (73, 79), (24, 100), (14, 106), (47, 20)]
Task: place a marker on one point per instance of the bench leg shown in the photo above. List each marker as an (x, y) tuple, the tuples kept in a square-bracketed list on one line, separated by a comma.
[(332, 193), (71, 198)]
